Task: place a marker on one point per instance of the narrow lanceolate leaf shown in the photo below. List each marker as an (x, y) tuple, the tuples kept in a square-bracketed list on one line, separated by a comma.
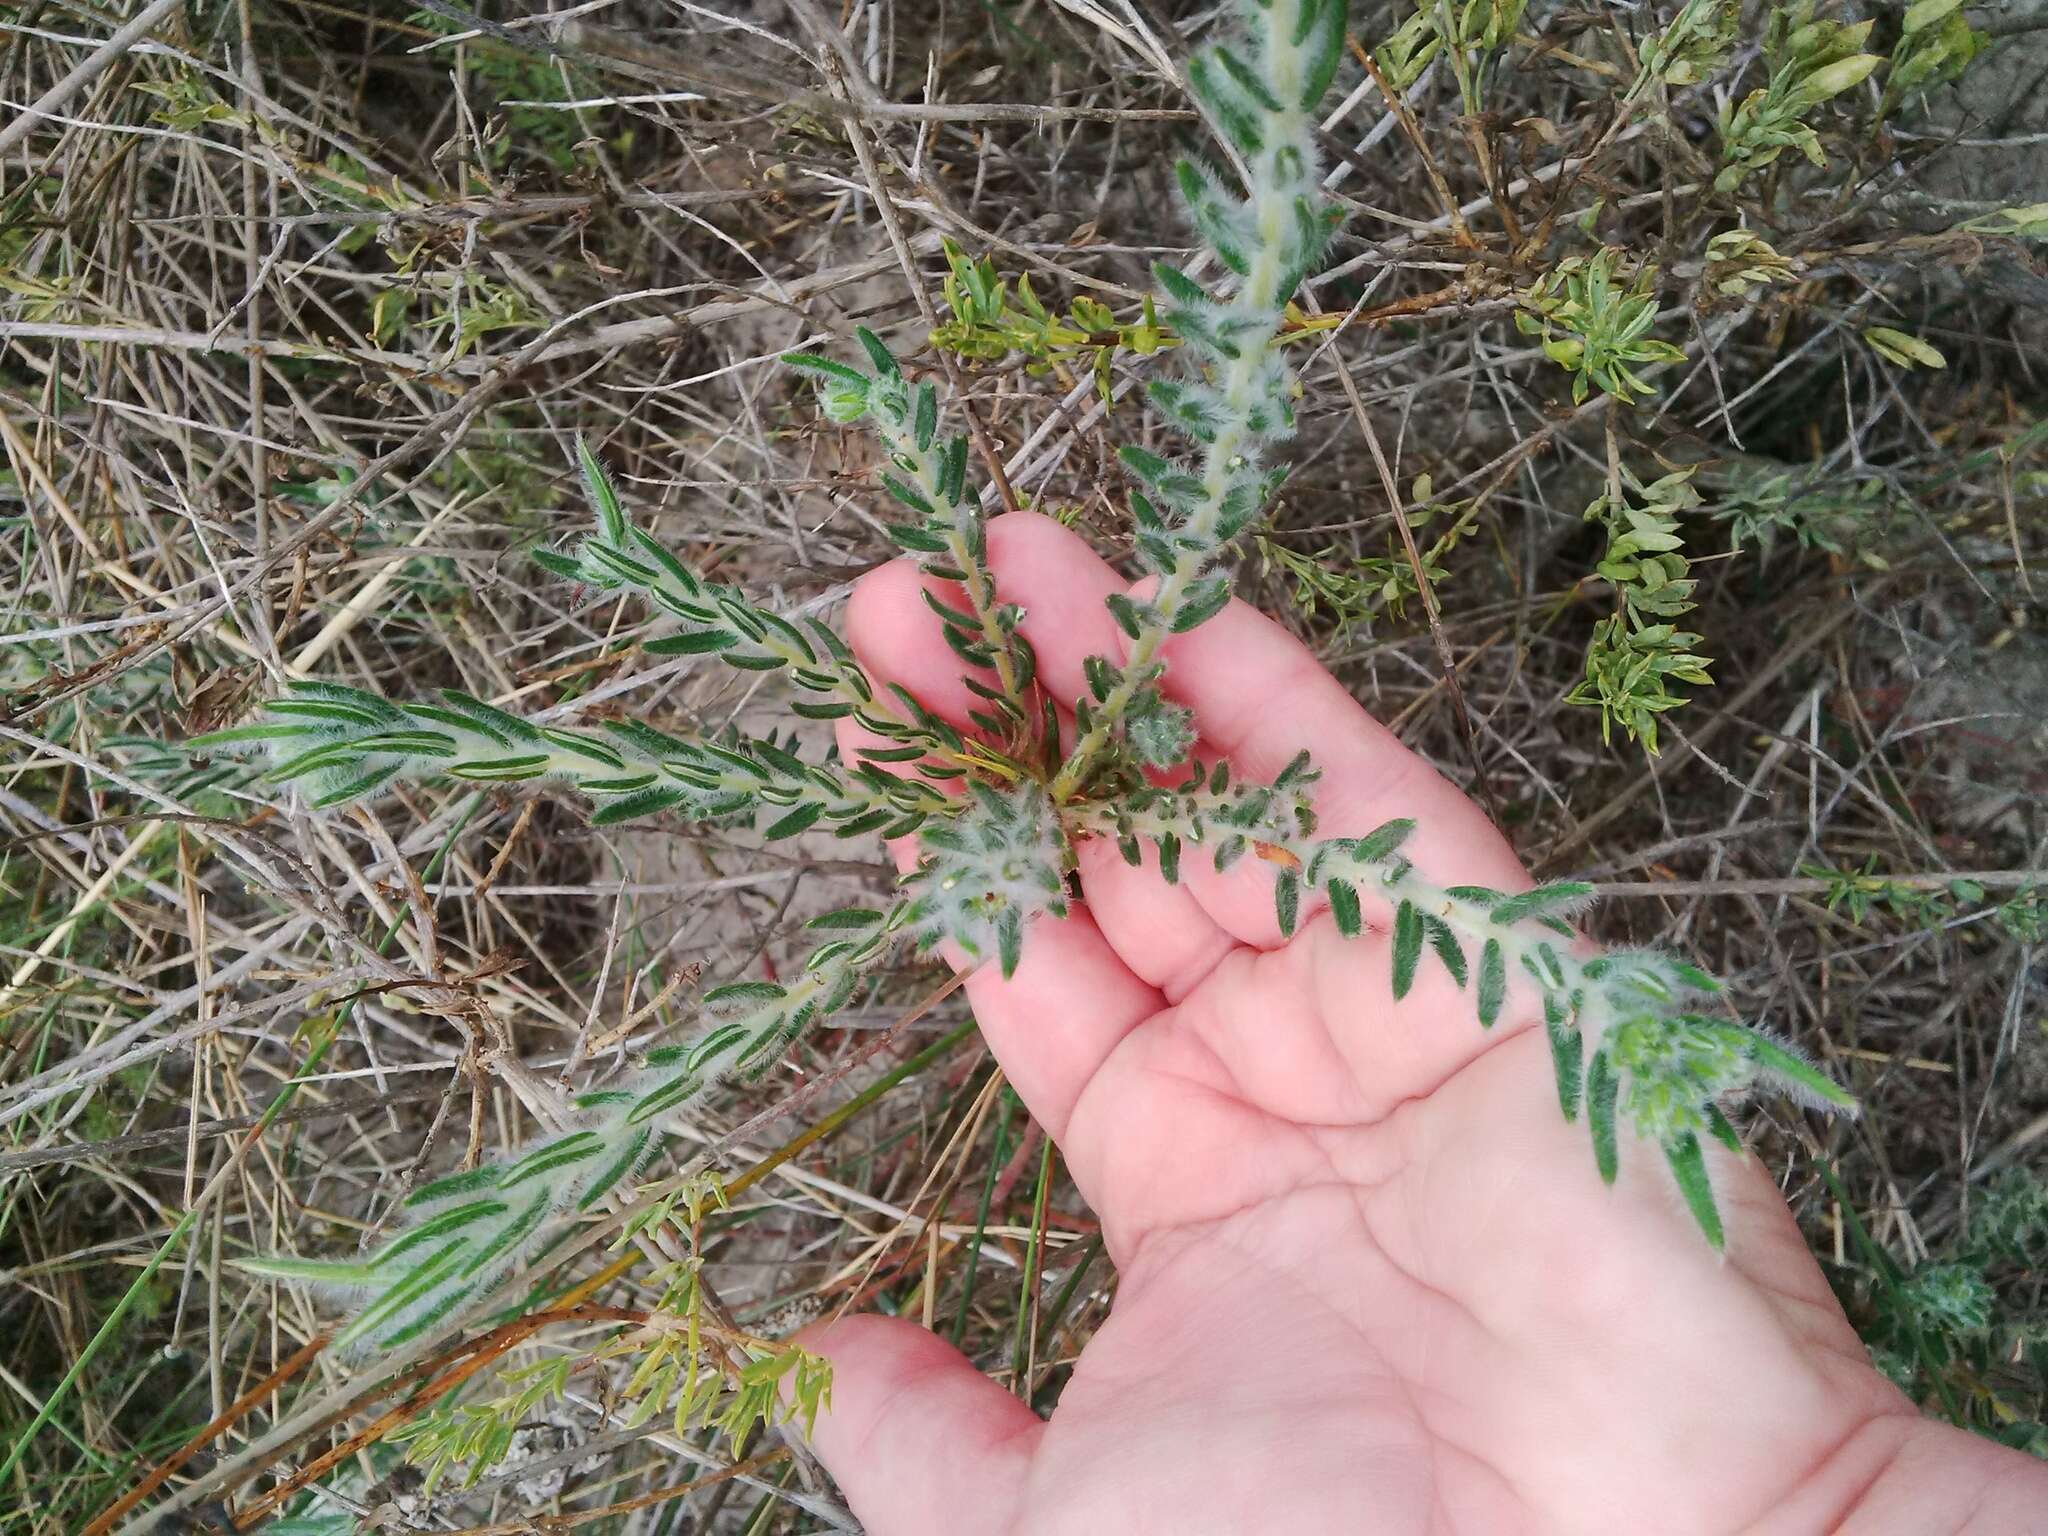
[(825, 368), (1493, 983), (1344, 907), (878, 354), (1542, 901), (1723, 1132), (1689, 1168), (560, 1153), (796, 821), (1287, 901), (1602, 1087), (1447, 947), (1407, 946), (1567, 1053), (604, 498), (1323, 21), (846, 917), (312, 1271), (636, 805), (1383, 841), (1010, 940), (1796, 1072)]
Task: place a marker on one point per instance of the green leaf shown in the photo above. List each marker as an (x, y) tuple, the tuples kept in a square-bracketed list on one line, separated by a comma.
[(804, 710), (1205, 599), (925, 424), (567, 567), (953, 470), (1125, 612), (826, 368), (702, 643), (1287, 901), (1723, 1132), (746, 992), (546, 1158), (1493, 985), (1783, 1064), (511, 1237), (1344, 907), (630, 1157), (846, 917), (453, 1186), (604, 496), (798, 820), (1602, 1088), (1383, 841), (1169, 857), (401, 1297), (633, 806), (502, 770), (1147, 466), (582, 746), (910, 496), (241, 735), (1009, 940), (489, 717), (1446, 945), (1179, 287), (664, 1097), (440, 1226), (879, 355), (1325, 39), (362, 784), (1567, 1053), (1246, 78), (916, 539), (310, 1271), (1689, 1168), (1540, 901), (1407, 946)]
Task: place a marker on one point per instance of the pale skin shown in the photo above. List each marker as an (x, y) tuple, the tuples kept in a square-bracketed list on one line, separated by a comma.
[(1368, 1277)]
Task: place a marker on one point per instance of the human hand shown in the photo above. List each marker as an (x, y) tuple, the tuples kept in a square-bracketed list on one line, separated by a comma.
[(1369, 1277)]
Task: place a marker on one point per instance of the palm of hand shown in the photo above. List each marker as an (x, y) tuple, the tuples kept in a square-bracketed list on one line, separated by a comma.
[(1370, 1279)]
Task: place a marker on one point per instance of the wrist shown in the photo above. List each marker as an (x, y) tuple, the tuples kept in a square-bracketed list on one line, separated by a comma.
[(1901, 1475)]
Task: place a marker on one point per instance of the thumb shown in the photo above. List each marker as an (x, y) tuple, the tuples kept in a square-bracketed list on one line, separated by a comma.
[(915, 1436)]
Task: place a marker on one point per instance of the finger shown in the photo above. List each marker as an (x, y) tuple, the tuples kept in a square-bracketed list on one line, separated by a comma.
[(915, 1435), (1259, 697), (1160, 931), (1071, 999)]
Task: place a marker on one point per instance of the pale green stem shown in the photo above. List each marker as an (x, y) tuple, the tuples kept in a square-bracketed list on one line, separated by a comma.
[(1272, 204)]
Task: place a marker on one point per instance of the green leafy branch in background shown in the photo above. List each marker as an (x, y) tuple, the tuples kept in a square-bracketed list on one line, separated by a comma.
[(1740, 263), (1955, 1326), (987, 325), (1596, 327), (1466, 35), (1350, 592), (1861, 894), (1637, 652), (1810, 62), (678, 1363), (1695, 46), (1762, 502), (1936, 44)]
